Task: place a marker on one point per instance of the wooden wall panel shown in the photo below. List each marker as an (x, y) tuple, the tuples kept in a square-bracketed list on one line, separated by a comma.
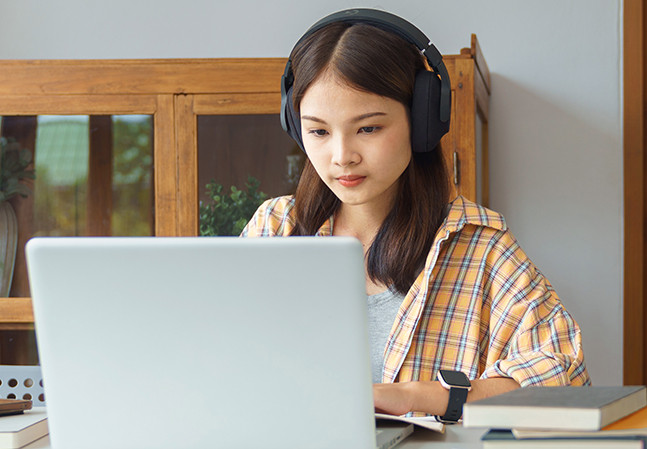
[(634, 194)]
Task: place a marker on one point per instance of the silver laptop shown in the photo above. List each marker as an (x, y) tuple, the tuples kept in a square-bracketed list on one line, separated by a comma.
[(204, 342)]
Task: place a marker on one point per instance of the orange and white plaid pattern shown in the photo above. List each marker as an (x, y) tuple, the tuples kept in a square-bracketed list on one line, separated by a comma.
[(479, 305)]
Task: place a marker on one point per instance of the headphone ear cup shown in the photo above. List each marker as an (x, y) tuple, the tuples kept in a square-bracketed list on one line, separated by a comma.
[(426, 127), (293, 120)]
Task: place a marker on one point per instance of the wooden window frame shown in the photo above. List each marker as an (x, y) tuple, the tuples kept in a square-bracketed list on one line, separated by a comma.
[(164, 89)]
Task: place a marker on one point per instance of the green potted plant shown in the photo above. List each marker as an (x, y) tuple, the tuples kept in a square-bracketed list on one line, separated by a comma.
[(13, 169), (228, 214)]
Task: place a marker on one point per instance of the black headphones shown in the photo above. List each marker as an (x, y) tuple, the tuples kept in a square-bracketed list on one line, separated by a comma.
[(431, 104)]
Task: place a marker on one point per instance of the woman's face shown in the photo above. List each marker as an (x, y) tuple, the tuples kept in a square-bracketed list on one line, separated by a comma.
[(358, 142)]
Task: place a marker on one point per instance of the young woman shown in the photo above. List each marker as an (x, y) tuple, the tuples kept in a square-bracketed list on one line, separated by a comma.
[(448, 286)]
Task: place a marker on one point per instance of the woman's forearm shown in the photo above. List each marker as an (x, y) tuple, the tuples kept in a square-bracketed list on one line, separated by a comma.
[(431, 397)]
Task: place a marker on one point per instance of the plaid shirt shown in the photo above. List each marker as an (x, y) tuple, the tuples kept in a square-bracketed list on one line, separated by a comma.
[(479, 306)]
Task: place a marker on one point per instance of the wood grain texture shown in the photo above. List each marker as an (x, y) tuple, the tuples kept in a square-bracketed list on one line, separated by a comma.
[(481, 65), (465, 123), (451, 63), (140, 76), (634, 335), (165, 168), (482, 97), (485, 167), (4, 354), (77, 104), (187, 162), (16, 311), (237, 104), (448, 145)]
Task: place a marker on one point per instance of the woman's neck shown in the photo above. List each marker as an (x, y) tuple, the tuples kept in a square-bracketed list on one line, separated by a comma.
[(361, 222)]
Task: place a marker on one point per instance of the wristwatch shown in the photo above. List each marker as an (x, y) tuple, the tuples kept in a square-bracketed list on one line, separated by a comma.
[(458, 385)]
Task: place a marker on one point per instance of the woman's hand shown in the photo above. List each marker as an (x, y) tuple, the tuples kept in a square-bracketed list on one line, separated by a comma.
[(431, 397), (394, 399)]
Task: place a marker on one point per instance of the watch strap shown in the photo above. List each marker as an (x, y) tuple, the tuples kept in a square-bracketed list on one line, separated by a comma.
[(457, 397)]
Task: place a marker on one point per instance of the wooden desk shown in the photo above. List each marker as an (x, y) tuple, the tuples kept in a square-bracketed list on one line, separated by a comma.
[(455, 437)]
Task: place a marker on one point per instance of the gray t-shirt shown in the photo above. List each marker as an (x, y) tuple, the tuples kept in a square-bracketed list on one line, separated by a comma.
[(382, 310)]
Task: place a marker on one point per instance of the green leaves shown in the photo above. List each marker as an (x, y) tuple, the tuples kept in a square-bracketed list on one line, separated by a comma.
[(13, 168), (228, 214)]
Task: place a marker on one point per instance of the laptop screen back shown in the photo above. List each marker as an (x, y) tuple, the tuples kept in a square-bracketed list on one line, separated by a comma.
[(195, 342)]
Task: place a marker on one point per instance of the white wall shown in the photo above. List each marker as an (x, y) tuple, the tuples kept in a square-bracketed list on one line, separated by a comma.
[(555, 117)]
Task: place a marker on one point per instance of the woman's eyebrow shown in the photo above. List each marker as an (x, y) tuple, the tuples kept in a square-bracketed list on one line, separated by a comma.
[(359, 118), (313, 119)]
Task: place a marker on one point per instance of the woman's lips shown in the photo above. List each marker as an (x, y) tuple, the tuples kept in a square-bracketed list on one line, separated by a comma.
[(351, 180)]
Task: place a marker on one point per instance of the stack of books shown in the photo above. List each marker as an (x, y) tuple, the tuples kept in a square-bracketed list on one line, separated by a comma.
[(21, 429), (564, 417)]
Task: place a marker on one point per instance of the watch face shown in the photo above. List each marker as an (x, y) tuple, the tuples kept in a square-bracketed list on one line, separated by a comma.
[(455, 378)]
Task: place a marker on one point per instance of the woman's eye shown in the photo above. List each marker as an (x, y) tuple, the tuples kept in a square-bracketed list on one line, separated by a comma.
[(368, 129), (318, 132)]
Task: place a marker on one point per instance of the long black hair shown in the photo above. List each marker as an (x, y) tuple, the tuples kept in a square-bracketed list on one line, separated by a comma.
[(376, 61)]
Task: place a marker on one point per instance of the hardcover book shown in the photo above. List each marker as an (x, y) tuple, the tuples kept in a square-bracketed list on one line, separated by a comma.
[(555, 408), (19, 430), (503, 439)]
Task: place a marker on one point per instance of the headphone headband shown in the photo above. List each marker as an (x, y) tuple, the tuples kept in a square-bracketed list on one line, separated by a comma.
[(387, 22), (379, 19)]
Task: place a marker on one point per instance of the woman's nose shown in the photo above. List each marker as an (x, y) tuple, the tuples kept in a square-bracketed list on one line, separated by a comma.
[(344, 153)]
